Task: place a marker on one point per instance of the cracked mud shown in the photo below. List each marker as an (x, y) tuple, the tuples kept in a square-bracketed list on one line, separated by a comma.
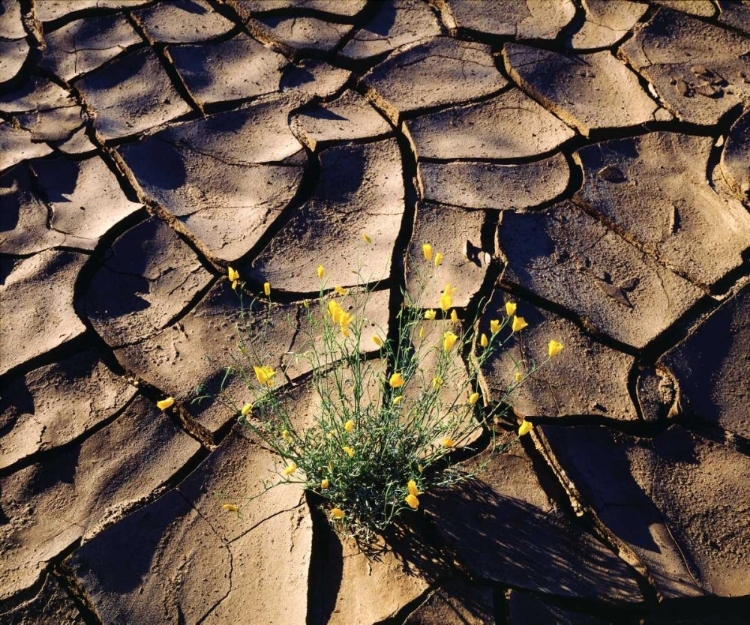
[(586, 159)]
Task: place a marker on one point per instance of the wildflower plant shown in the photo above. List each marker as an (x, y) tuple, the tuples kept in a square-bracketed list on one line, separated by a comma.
[(385, 429)]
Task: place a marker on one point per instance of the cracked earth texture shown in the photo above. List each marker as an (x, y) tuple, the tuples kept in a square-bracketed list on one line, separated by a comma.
[(587, 159)]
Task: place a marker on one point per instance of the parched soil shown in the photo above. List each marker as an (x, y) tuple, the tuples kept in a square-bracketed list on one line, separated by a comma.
[(586, 159)]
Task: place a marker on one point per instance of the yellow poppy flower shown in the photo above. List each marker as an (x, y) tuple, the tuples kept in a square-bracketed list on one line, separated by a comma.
[(345, 318), (483, 340), (438, 259), (321, 271), (265, 375), (430, 314), (267, 288), (340, 290), (519, 323), (494, 326), (427, 251), (398, 400), (396, 380), (325, 484), (234, 277), (525, 428), (246, 409), (446, 301), (473, 398), (337, 513), (349, 451), (335, 310), (519, 376), (378, 341), (367, 238), (449, 340), (448, 442), (510, 308), (290, 469), (454, 316), (554, 348), (412, 501), (230, 507), (437, 382), (412, 487), (349, 425), (165, 403)]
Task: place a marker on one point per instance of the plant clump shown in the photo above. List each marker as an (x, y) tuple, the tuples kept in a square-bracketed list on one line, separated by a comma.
[(385, 428)]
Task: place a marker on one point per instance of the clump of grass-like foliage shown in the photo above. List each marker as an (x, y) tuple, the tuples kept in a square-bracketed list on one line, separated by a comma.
[(384, 429)]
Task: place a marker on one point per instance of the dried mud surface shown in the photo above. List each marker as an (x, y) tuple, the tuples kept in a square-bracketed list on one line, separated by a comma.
[(586, 159)]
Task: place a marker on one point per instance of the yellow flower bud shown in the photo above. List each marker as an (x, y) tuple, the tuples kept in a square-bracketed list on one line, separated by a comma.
[(366, 238), (454, 316), (246, 409), (421, 332), (396, 380), (438, 259), (430, 314), (473, 398), (449, 340), (412, 487), (337, 513), (286, 435), (494, 326), (437, 382), (525, 428), (510, 308), (325, 484), (267, 288), (412, 501), (427, 250), (349, 425), (519, 323), (230, 507), (291, 468), (341, 290), (321, 271), (378, 341), (398, 400), (349, 451), (420, 468), (554, 348), (518, 376), (165, 403), (483, 340)]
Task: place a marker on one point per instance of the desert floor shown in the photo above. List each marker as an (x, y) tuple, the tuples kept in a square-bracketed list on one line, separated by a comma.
[(586, 159)]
